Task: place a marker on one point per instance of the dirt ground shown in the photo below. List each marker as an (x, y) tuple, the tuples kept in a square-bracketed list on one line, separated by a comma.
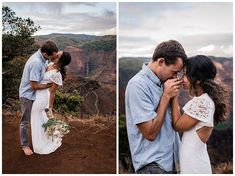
[(89, 148)]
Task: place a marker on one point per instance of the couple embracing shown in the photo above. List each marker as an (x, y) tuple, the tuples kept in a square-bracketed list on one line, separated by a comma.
[(38, 86), (154, 117)]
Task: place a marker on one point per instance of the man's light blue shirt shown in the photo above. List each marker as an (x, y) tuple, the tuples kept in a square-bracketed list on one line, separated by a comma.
[(34, 70), (143, 94)]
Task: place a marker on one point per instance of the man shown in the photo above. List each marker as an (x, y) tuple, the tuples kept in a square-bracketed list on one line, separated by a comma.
[(33, 73), (153, 142)]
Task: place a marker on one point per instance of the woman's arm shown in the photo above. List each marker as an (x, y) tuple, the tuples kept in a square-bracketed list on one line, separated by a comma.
[(52, 95), (181, 122)]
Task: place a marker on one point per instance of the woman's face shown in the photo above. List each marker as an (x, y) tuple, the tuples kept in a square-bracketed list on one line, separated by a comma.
[(57, 58), (186, 82)]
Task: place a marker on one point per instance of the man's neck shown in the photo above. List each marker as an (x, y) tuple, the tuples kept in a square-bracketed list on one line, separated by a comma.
[(152, 67)]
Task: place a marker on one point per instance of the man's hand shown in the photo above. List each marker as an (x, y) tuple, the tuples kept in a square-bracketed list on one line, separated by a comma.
[(171, 87), (38, 86), (49, 85)]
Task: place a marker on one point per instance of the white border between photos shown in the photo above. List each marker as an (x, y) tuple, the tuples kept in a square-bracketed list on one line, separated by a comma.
[(117, 88)]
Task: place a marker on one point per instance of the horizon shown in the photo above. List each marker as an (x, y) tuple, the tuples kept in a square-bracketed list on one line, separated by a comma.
[(74, 34), (91, 18)]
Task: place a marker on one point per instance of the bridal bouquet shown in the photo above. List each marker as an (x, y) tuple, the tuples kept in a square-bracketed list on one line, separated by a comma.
[(56, 128)]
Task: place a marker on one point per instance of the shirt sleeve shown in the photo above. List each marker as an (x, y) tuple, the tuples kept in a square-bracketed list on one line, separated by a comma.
[(35, 72), (140, 104), (200, 109), (56, 78)]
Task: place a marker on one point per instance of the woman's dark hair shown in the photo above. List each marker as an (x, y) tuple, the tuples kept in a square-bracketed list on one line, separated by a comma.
[(64, 60), (49, 47), (170, 51), (201, 68)]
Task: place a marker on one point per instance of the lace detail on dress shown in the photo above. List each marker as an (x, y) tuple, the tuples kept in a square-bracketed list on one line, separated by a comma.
[(200, 108), (56, 78)]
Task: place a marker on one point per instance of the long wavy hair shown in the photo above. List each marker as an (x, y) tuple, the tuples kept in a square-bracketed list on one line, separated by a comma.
[(64, 60), (201, 69)]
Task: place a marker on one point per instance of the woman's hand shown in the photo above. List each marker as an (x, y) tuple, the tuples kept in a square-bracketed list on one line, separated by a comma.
[(171, 87), (49, 113)]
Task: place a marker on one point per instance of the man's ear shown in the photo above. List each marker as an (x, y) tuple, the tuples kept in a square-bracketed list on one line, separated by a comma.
[(161, 61), (44, 54)]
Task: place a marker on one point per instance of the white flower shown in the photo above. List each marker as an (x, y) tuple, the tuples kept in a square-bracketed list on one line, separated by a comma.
[(56, 128)]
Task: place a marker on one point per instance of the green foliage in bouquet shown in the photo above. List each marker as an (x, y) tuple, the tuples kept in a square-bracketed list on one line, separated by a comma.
[(54, 122), (68, 102), (56, 128)]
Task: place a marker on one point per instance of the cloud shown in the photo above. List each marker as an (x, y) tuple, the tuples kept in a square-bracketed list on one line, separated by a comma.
[(208, 44), (72, 17), (208, 48), (109, 13), (195, 25), (111, 31)]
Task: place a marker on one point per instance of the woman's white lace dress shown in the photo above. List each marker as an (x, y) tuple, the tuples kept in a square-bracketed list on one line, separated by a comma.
[(194, 158), (42, 144)]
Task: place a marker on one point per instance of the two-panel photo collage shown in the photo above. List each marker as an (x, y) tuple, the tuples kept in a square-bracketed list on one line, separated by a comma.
[(117, 87)]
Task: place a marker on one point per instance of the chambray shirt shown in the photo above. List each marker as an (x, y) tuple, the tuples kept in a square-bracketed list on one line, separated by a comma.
[(142, 97), (34, 70)]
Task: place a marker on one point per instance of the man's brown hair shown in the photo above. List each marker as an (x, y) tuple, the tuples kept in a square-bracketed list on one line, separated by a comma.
[(49, 47), (170, 51)]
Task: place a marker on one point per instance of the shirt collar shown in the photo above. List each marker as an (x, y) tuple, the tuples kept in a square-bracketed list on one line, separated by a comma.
[(41, 56), (151, 75)]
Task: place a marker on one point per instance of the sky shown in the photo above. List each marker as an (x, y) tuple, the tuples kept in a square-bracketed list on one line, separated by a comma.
[(93, 18), (202, 28)]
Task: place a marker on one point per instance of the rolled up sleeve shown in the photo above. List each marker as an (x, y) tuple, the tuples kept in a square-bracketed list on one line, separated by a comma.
[(140, 104)]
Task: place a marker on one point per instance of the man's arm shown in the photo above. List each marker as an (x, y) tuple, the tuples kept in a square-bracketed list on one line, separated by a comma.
[(151, 129), (37, 86)]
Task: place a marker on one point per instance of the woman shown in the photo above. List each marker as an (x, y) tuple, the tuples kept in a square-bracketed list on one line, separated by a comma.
[(55, 74), (205, 110)]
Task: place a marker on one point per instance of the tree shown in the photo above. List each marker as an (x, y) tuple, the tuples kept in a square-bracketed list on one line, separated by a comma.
[(17, 34)]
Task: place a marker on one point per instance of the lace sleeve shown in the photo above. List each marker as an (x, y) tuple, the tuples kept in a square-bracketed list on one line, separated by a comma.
[(56, 78), (200, 109)]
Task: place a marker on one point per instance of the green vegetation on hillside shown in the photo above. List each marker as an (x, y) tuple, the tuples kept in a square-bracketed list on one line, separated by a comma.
[(68, 102), (11, 77), (128, 67), (106, 45), (87, 42)]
